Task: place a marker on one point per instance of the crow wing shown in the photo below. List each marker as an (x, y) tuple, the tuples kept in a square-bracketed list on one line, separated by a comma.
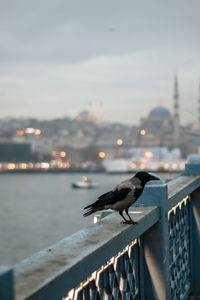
[(107, 199), (113, 197)]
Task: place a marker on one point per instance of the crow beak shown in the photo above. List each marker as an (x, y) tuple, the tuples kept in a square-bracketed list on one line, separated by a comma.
[(154, 178)]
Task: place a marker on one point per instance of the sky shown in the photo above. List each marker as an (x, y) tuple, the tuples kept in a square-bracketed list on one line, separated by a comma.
[(58, 56)]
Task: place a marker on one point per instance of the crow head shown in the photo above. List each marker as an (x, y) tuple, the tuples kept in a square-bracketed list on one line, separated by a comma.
[(145, 177)]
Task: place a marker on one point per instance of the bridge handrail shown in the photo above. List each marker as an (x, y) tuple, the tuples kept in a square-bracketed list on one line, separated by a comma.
[(81, 254), (168, 245)]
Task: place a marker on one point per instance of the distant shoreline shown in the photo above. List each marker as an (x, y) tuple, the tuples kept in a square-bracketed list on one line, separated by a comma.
[(68, 171)]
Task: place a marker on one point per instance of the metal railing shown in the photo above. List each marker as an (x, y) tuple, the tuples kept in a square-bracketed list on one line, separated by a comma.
[(158, 258)]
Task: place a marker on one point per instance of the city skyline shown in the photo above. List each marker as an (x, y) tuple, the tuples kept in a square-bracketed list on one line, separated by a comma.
[(56, 57)]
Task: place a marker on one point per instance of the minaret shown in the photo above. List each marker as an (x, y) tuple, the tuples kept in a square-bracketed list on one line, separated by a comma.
[(90, 111), (100, 112), (176, 112), (199, 108)]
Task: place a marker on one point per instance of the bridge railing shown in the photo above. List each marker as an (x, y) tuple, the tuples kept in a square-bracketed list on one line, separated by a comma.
[(158, 258)]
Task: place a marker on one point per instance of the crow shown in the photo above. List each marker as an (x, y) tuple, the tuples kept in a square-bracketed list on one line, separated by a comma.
[(121, 197)]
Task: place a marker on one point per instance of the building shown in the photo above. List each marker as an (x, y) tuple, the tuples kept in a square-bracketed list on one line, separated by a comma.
[(157, 128), (13, 152), (86, 116)]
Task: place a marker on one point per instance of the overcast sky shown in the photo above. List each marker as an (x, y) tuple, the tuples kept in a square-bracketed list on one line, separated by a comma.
[(57, 56)]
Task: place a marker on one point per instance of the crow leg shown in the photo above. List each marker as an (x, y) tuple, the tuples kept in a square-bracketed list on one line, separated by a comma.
[(131, 221), (125, 221)]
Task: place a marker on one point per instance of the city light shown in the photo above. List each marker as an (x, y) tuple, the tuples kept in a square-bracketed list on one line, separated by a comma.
[(62, 154), (166, 166), (66, 165), (23, 166), (44, 165), (174, 166), (101, 155), (37, 131), (149, 154), (142, 166), (60, 165), (119, 142), (11, 166), (142, 131), (20, 132), (133, 165), (29, 130)]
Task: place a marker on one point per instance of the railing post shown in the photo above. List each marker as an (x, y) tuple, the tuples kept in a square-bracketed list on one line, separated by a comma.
[(193, 169), (6, 283), (155, 246)]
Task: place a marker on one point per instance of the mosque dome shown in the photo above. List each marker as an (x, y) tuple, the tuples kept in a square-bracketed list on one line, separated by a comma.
[(86, 116), (160, 112)]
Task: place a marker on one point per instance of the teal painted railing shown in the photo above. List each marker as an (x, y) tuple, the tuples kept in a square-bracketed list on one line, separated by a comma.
[(158, 258)]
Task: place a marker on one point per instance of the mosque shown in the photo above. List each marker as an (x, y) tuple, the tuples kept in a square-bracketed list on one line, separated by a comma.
[(162, 128), (157, 128)]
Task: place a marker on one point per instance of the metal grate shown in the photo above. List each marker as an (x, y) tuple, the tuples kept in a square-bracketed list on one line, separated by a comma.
[(118, 279), (179, 249)]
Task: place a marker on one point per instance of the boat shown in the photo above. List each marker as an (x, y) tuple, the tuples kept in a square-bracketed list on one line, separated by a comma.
[(118, 165), (150, 160), (85, 183)]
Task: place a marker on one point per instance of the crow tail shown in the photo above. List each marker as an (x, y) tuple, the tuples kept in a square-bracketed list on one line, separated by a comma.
[(91, 209), (88, 213)]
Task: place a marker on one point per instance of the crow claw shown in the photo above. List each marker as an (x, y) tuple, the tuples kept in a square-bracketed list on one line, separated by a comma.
[(129, 222)]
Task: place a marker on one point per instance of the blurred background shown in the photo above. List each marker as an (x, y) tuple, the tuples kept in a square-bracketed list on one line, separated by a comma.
[(89, 89)]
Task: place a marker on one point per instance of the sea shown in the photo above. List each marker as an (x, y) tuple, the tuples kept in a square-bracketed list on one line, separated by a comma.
[(38, 210)]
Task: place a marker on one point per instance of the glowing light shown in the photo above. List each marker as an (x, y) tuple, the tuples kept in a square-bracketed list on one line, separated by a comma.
[(142, 166), (149, 154), (60, 165), (37, 131), (119, 142), (101, 154), (166, 166), (20, 132), (1, 165), (182, 166), (174, 166), (23, 166), (44, 165), (29, 130), (11, 166), (142, 131), (62, 154), (144, 159), (37, 165), (30, 165), (133, 165), (66, 165)]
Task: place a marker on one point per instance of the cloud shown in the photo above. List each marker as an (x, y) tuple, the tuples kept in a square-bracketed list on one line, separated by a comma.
[(56, 56)]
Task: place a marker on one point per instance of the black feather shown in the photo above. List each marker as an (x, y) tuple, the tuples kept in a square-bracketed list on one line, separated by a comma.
[(99, 198), (114, 196), (108, 198)]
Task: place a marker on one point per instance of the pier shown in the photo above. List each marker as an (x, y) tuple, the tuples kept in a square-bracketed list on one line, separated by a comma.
[(156, 259)]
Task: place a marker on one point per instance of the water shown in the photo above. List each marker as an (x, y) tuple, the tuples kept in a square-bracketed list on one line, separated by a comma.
[(37, 210)]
